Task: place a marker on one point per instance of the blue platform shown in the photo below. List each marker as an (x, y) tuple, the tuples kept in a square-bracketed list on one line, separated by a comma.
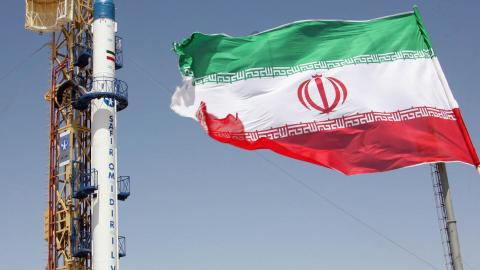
[(122, 246), (109, 88), (123, 186), (118, 52), (81, 240), (84, 181)]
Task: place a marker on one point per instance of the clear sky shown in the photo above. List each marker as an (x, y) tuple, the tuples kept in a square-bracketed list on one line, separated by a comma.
[(199, 204)]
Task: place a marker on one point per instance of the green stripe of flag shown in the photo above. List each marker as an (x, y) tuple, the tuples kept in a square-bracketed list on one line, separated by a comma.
[(110, 52), (299, 43)]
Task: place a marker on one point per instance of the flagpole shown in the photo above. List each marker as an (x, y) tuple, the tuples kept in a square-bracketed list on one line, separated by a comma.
[(451, 223)]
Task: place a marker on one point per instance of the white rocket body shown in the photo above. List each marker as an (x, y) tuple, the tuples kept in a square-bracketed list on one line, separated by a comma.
[(105, 248)]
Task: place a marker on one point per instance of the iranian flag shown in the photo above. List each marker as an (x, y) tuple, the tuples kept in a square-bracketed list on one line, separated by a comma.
[(354, 96), (110, 55)]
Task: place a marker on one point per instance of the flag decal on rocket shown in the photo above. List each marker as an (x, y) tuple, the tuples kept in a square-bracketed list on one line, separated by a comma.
[(110, 55)]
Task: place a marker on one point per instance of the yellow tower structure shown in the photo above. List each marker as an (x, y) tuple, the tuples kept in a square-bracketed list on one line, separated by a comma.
[(71, 179)]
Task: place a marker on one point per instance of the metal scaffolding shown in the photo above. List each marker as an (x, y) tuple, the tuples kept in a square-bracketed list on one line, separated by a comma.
[(68, 219)]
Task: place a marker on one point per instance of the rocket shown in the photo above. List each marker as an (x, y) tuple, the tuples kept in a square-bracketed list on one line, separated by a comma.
[(105, 246)]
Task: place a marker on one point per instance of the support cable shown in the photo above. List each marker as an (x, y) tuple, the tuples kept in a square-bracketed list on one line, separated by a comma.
[(146, 73), (6, 106), (23, 62), (348, 213)]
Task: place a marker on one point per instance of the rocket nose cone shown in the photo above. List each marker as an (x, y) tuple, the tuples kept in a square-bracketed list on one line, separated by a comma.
[(103, 2), (104, 9)]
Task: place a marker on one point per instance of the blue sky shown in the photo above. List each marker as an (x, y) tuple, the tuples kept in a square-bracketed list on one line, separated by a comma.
[(198, 204)]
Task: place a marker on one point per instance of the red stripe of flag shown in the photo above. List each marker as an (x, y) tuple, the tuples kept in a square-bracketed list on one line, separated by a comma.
[(110, 58), (367, 148)]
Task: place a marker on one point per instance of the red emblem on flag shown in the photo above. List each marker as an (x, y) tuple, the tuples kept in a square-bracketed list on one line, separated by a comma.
[(327, 98)]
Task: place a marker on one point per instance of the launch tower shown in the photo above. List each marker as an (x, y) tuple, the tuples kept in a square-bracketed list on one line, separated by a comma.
[(81, 220)]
